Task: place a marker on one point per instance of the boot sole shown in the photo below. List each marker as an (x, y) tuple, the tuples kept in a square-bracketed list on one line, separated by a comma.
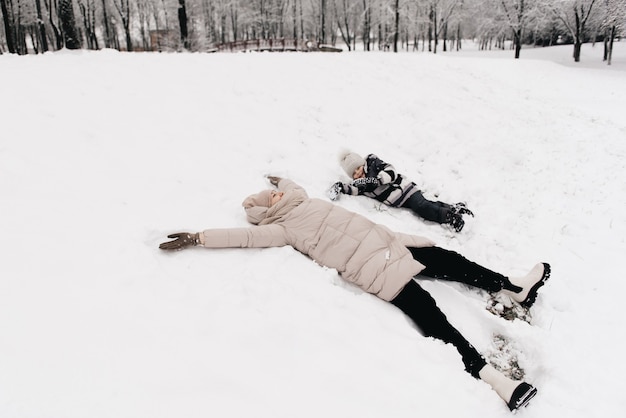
[(522, 399), (532, 294)]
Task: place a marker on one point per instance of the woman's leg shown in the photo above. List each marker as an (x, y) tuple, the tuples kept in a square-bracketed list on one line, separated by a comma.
[(419, 305), (429, 210), (449, 265)]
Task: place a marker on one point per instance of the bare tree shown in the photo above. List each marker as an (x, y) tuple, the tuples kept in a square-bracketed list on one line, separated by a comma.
[(71, 35), (396, 27), (367, 24), (88, 12), (123, 9), (323, 11), (143, 14), (615, 20), (208, 10), (574, 15), (43, 38), (516, 12), (107, 30), (54, 22), (440, 13), (346, 20), (36, 25), (294, 18), (9, 25), (182, 22)]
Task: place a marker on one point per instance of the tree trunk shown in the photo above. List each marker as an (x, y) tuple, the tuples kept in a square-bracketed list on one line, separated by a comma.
[(367, 25), (517, 37), (41, 27), (58, 36), (397, 26), (611, 39), (323, 22), (435, 32), (430, 29), (123, 9), (345, 29), (9, 27), (88, 12), (182, 20), (223, 27), (295, 21), (107, 26), (577, 48), (68, 25), (21, 38), (304, 36), (234, 16), (605, 44)]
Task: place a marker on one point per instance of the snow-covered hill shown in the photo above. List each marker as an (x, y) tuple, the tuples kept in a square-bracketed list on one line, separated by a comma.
[(102, 154)]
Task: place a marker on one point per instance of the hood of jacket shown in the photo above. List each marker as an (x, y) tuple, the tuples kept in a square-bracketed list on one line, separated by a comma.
[(258, 211)]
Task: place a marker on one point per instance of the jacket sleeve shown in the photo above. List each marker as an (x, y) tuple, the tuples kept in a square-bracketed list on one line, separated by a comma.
[(351, 189), (386, 173), (414, 240), (262, 236)]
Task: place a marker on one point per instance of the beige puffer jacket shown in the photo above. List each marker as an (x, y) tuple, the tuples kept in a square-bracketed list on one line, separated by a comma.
[(364, 253)]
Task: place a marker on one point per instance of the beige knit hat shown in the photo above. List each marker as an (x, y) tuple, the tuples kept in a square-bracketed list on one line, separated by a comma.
[(256, 206), (260, 199), (350, 162)]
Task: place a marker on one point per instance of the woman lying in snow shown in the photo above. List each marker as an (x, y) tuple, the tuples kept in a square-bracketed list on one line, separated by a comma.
[(377, 260), (372, 177)]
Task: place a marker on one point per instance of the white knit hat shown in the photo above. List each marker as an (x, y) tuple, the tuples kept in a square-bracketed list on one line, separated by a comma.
[(350, 162)]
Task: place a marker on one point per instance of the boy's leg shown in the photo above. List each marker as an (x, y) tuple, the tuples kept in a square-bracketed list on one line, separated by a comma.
[(449, 265), (419, 305), (429, 210)]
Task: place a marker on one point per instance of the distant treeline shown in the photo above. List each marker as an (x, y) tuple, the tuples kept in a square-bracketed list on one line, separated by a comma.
[(36, 26)]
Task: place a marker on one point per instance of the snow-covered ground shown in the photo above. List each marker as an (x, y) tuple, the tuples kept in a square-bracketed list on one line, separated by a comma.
[(102, 154)]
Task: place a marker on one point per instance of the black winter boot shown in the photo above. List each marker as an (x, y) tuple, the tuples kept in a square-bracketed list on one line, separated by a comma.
[(516, 394), (461, 209), (455, 219)]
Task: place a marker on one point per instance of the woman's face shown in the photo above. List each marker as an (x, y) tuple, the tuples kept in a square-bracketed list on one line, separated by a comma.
[(275, 197), (358, 173)]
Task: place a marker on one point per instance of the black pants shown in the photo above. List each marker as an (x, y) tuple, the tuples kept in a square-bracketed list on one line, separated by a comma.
[(448, 265), (427, 209), (420, 306)]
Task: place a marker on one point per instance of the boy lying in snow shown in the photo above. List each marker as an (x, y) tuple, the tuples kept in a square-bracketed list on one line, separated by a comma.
[(379, 180)]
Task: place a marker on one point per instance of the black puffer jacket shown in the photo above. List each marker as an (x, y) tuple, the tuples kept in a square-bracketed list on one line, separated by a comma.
[(382, 183)]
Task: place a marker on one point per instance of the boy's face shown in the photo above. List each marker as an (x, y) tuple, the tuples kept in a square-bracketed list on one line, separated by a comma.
[(358, 173)]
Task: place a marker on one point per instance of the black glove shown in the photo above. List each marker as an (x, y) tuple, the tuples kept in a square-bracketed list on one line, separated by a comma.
[(366, 184), (335, 190), (183, 240), (274, 180)]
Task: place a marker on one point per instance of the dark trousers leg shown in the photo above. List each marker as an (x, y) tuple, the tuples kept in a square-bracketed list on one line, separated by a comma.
[(429, 210), (449, 265), (420, 306)]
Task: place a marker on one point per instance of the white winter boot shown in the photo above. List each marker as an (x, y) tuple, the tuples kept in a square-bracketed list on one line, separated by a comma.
[(524, 289), (516, 394)]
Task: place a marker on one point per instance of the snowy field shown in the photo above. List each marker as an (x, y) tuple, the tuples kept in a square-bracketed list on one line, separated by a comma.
[(102, 154)]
